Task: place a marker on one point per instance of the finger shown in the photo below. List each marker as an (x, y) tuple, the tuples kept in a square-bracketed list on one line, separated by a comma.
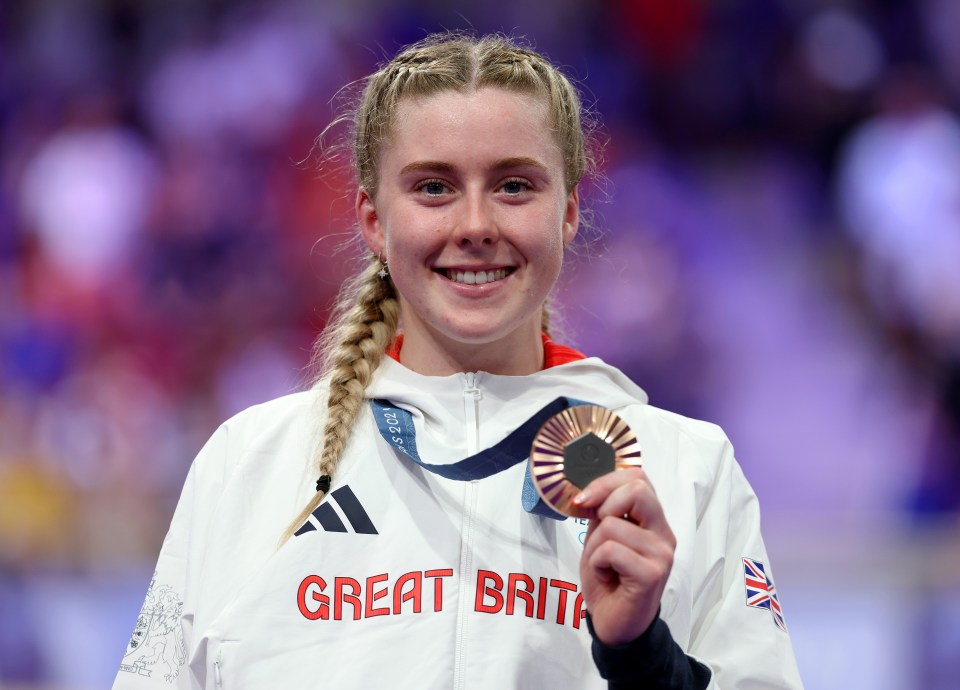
[(635, 586), (643, 541), (597, 491), (636, 572), (619, 503), (635, 501)]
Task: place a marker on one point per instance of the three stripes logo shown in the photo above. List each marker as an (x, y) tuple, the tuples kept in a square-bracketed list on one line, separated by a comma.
[(329, 515)]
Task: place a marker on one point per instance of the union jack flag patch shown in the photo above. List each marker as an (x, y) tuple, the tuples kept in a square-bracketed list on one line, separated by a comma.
[(761, 592)]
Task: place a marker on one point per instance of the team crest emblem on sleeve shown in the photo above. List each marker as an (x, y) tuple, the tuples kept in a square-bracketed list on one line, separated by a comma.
[(157, 636), (761, 592)]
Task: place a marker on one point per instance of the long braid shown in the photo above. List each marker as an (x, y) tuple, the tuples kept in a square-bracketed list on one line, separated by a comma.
[(364, 324)]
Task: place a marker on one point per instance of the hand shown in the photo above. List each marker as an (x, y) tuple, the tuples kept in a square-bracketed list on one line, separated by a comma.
[(627, 556)]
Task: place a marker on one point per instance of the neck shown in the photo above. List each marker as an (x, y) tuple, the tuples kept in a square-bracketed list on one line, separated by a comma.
[(518, 353)]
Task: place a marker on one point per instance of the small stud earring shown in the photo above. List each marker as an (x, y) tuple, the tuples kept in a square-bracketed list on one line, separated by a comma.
[(383, 273)]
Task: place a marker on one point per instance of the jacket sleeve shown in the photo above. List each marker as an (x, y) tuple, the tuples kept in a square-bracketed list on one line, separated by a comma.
[(739, 629), (157, 655), (653, 661)]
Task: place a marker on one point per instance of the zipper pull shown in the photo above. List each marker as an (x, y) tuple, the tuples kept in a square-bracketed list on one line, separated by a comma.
[(471, 404), (471, 390), (217, 678)]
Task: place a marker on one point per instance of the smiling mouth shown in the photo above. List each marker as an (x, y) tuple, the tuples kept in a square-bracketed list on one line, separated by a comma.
[(476, 277)]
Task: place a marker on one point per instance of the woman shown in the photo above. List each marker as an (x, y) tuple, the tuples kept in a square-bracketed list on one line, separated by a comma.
[(412, 562)]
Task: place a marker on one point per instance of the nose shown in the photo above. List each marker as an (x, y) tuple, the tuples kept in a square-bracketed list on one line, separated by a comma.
[(477, 226)]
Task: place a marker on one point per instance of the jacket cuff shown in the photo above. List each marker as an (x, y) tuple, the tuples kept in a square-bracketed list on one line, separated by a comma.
[(653, 661)]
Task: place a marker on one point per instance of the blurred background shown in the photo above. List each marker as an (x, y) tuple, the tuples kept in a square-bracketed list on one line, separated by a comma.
[(775, 248)]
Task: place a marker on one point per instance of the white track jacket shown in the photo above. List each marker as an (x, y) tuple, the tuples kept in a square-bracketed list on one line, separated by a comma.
[(405, 579)]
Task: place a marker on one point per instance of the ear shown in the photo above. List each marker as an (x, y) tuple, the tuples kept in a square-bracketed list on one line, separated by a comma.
[(369, 222), (571, 216)]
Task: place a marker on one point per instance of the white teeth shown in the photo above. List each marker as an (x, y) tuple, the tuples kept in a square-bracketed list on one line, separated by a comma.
[(476, 277)]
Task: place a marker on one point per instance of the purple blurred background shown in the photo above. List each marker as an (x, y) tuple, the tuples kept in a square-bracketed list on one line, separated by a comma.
[(776, 248)]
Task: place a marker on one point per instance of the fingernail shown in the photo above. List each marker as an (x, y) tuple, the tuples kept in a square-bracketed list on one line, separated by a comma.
[(580, 497)]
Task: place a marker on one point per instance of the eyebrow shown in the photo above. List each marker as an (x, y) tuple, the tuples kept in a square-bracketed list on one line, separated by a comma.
[(502, 164)]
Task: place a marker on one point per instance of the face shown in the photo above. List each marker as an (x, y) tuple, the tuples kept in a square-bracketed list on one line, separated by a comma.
[(471, 216)]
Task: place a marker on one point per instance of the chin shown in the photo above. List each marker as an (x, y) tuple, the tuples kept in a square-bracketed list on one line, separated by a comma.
[(479, 334)]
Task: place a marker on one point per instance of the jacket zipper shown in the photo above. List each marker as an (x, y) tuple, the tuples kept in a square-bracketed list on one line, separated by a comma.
[(217, 677), (471, 403), (471, 395)]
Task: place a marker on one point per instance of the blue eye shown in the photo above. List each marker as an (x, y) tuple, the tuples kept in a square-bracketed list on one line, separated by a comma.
[(514, 187), (433, 188)]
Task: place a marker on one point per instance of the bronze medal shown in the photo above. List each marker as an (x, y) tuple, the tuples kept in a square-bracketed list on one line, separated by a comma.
[(576, 446)]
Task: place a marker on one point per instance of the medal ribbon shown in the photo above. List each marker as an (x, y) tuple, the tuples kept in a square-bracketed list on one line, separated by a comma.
[(396, 427)]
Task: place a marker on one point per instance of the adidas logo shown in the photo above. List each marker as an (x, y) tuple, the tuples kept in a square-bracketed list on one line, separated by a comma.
[(329, 515)]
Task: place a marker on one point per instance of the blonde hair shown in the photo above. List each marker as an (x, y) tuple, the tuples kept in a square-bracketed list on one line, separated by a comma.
[(367, 312)]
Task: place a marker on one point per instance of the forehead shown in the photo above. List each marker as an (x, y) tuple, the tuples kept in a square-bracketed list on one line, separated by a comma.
[(489, 121)]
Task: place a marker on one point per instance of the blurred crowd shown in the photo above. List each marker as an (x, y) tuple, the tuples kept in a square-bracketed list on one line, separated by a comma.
[(774, 241)]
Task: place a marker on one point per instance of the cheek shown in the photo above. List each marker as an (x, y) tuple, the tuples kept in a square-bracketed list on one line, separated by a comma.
[(414, 234), (551, 248), (405, 278)]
